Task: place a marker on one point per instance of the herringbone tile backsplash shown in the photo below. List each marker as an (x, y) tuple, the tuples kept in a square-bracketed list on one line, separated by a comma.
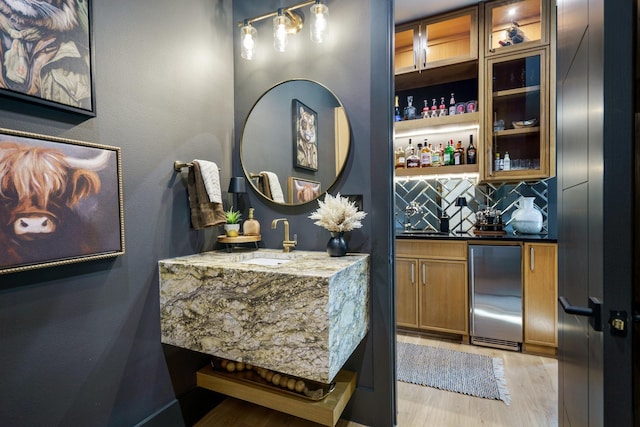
[(437, 195)]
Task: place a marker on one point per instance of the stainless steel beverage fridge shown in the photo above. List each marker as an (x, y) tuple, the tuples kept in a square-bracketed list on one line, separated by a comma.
[(495, 281)]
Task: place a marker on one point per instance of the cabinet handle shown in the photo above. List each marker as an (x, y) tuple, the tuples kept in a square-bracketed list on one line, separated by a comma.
[(415, 60), (413, 274), (491, 43), (532, 258), (424, 275)]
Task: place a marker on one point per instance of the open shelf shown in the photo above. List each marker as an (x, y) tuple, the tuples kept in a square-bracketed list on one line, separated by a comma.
[(434, 122), (326, 411), (438, 170)]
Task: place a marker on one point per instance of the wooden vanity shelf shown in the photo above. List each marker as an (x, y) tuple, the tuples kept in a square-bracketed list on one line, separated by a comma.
[(326, 411)]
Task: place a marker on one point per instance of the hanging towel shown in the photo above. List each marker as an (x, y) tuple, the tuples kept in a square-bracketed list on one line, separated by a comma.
[(273, 185), (211, 178), (204, 213)]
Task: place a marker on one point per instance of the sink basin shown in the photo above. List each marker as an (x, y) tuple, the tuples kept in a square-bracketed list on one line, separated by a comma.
[(270, 262)]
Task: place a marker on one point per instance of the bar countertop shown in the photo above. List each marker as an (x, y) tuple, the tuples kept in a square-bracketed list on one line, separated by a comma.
[(469, 236)]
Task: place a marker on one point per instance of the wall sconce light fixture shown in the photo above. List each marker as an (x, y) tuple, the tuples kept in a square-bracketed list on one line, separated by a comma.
[(286, 21), (247, 40)]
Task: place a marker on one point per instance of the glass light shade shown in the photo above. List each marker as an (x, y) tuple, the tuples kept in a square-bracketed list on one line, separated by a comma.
[(280, 24), (247, 41), (319, 22)]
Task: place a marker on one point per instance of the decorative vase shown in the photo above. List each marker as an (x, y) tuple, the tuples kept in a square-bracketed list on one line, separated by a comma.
[(337, 246), (232, 230), (526, 219)]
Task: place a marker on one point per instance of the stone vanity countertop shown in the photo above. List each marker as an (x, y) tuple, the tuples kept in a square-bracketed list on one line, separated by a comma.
[(299, 313), (473, 238), (302, 263)]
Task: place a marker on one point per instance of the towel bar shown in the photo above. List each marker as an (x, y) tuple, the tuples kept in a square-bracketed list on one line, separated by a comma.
[(178, 165)]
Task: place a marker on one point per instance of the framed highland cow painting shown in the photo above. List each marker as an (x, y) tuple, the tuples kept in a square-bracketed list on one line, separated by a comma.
[(305, 136), (46, 48), (60, 201), (302, 190)]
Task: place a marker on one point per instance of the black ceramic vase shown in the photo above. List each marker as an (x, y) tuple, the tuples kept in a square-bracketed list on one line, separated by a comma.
[(337, 246)]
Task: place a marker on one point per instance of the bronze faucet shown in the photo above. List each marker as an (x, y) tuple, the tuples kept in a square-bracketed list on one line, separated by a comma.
[(287, 244)]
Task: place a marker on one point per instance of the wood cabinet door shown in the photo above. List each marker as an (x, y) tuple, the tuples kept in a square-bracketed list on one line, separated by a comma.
[(443, 296), (540, 294), (406, 292)]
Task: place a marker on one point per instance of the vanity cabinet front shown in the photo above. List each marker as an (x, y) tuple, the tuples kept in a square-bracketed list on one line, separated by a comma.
[(431, 286)]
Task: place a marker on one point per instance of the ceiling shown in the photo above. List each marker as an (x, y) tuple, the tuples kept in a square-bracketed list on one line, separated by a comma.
[(409, 10)]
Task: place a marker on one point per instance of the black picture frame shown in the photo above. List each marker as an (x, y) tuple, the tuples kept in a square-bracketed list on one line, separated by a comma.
[(61, 201), (51, 63), (305, 136)]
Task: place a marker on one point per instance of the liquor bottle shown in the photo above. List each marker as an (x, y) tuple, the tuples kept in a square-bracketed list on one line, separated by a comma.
[(396, 113), (458, 156), (506, 162), (449, 154), (434, 108), (425, 155), (497, 163), (400, 158), (452, 105), (413, 161), (425, 110), (411, 110), (407, 150), (442, 109), (471, 152), (435, 156)]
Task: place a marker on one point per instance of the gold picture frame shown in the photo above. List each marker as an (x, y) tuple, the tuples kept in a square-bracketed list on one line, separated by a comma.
[(60, 201), (302, 190)]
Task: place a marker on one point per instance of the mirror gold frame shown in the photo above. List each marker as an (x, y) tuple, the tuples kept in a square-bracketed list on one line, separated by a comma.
[(292, 119)]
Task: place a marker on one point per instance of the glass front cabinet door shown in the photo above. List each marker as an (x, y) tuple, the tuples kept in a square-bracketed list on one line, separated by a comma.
[(515, 25), (434, 42), (517, 116)]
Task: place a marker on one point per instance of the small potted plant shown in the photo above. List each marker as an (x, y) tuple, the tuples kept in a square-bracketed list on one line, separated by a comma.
[(232, 227)]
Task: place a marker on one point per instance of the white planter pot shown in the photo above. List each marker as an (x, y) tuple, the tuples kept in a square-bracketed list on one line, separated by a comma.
[(232, 230)]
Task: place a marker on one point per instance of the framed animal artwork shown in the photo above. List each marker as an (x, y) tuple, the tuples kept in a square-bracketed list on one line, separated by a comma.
[(60, 201), (305, 136), (302, 190), (46, 48)]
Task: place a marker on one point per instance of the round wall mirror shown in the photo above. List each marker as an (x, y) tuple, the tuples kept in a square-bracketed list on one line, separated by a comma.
[(295, 142)]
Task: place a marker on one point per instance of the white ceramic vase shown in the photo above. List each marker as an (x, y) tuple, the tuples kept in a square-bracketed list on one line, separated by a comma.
[(526, 219)]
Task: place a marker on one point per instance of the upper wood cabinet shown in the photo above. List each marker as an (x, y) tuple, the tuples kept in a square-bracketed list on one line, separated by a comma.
[(517, 116), (515, 24), (434, 42)]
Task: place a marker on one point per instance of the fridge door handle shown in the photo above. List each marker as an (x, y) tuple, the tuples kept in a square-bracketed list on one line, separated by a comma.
[(532, 258)]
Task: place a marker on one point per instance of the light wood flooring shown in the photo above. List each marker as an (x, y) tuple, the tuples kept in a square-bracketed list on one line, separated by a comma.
[(532, 383)]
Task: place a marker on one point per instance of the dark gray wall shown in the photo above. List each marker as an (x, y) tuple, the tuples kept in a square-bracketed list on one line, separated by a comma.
[(355, 65), (80, 345)]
